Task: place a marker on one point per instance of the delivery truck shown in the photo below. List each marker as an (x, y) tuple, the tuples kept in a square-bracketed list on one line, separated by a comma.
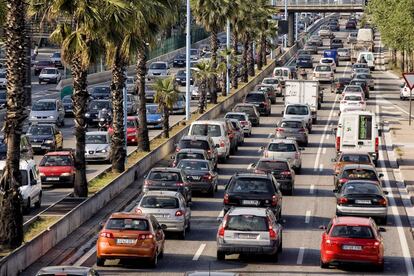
[(303, 92)]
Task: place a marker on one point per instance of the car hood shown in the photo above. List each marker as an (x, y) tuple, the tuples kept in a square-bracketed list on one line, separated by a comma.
[(55, 170), (96, 147), (153, 117), (39, 137)]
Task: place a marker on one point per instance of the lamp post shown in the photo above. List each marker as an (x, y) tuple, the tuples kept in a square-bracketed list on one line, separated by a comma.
[(228, 58), (187, 64), (286, 18)]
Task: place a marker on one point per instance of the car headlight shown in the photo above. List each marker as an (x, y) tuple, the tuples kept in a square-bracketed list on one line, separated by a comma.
[(32, 117), (51, 117), (102, 151), (159, 119), (41, 174), (65, 174), (177, 79), (87, 115), (48, 141)]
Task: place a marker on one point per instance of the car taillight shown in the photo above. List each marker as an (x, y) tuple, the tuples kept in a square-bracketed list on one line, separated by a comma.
[(264, 103), (208, 177), (274, 200), (272, 233), (286, 174), (342, 200), (231, 135), (209, 151), (147, 182), (222, 144), (302, 129), (179, 213), (279, 129), (376, 144), (221, 232), (382, 202), (343, 180), (226, 199), (177, 149), (338, 85), (244, 123), (138, 211), (145, 236), (338, 143), (180, 184), (108, 235)]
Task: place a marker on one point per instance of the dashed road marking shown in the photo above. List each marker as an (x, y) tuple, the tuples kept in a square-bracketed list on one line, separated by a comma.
[(321, 167), (300, 255), (199, 252), (312, 189), (307, 216)]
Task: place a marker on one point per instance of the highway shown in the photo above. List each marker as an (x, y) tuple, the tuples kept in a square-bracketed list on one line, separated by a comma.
[(312, 205)]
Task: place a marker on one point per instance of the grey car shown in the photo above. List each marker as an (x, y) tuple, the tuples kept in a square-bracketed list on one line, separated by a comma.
[(67, 270), (97, 146), (249, 230), (249, 109), (238, 131), (295, 129), (157, 69), (48, 111), (189, 153), (169, 208), (201, 175)]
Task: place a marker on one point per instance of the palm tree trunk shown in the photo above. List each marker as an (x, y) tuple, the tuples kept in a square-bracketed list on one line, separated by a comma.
[(245, 75), (214, 48), (263, 55), (80, 102), (11, 217), (118, 153), (250, 58), (143, 142), (165, 122), (259, 57), (234, 77), (202, 97)]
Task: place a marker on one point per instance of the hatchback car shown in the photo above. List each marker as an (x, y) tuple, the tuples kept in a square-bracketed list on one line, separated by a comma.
[(352, 88), (352, 240), (201, 175), (325, 31), (352, 102), (350, 25), (130, 236), (189, 153), (367, 77), (269, 90), (285, 149), (44, 137), (56, 58), (94, 107), (251, 110), (351, 157), (167, 179), (356, 172), (181, 77), (169, 208), (48, 111), (336, 43), (67, 270), (261, 101), (323, 73), (68, 104), (179, 60), (358, 65), (57, 168), (362, 198), (97, 146), (41, 64), (292, 129), (154, 116), (243, 119), (132, 130), (249, 230), (50, 75), (328, 61), (340, 84), (275, 83), (205, 143), (158, 69), (352, 37), (253, 190)]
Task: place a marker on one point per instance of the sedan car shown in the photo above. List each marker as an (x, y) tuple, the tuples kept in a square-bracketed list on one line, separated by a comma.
[(366, 77), (352, 102), (323, 72), (352, 240), (189, 153), (271, 92), (336, 43), (47, 111), (275, 83), (44, 137), (200, 174), (285, 149), (344, 54), (94, 108), (130, 236), (157, 69), (100, 93), (351, 157), (362, 198), (50, 75), (352, 88), (205, 143), (352, 37), (97, 146), (169, 208), (67, 270), (304, 61), (56, 58), (328, 61), (295, 129), (356, 172), (363, 83), (179, 60), (324, 31), (340, 84), (249, 230), (312, 47), (154, 116), (132, 130), (57, 168), (250, 110), (243, 118), (41, 64)]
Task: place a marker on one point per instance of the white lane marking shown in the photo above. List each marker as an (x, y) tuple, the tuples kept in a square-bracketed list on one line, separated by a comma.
[(300, 255), (346, 68), (387, 107), (324, 151), (307, 216), (321, 167), (85, 257), (312, 189), (328, 136), (270, 135), (259, 150), (221, 215), (249, 167), (199, 252)]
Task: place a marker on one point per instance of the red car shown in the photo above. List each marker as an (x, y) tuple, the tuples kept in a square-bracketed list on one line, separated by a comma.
[(57, 167), (132, 130), (352, 240)]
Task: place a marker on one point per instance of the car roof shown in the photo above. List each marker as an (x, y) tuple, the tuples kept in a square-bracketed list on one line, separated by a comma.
[(208, 122), (245, 104), (50, 68), (250, 175), (211, 273), (353, 94), (47, 100), (96, 133), (285, 141), (359, 166), (361, 181), (166, 169), (248, 211), (66, 269), (161, 193), (352, 221), (236, 113)]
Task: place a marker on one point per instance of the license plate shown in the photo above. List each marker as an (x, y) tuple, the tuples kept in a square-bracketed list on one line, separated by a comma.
[(359, 201), (247, 236), (95, 120), (52, 178), (36, 146), (161, 215), (352, 247), (126, 241), (250, 202)]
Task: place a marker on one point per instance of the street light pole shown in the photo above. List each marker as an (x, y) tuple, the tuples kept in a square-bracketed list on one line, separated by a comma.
[(272, 53), (411, 92), (286, 18), (187, 64), (228, 58), (124, 92)]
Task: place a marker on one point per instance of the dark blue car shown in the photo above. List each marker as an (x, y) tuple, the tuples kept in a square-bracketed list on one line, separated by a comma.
[(154, 117), (304, 61)]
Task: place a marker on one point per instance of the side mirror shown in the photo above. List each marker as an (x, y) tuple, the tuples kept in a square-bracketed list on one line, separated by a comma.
[(322, 227), (163, 227), (252, 165), (261, 148), (381, 229), (385, 192), (381, 175), (402, 85)]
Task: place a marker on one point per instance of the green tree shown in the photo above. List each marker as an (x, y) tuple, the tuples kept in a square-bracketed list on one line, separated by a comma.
[(11, 218), (204, 76), (166, 95)]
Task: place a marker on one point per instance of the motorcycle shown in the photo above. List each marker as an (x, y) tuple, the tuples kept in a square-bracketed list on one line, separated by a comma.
[(105, 119)]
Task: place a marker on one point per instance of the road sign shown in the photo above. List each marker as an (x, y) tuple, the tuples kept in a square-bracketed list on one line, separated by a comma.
[(409, 79)]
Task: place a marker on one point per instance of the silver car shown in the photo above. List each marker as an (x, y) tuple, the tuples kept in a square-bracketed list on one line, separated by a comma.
[(158, 69), (67, 270), (344, 54), (249, 230), (169, 208), (286, 149), (295, 129), (48, 111), (97, 146), (243, 118)]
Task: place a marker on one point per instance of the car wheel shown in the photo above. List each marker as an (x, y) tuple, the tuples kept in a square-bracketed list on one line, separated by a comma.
[(221, 256), (39, 201), (62, 124), (161, 255), (216, 188), (211, 192), (324, 265), (100, 261), (280, 248), (154, 260)]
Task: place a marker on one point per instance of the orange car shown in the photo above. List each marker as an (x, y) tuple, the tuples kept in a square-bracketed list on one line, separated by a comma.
[(351, 157), (130, 236)]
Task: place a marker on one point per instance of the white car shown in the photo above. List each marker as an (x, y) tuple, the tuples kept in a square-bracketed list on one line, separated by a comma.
[(300, 112), (31, 188), (130, 85), (324, 31), (243, 118), (328, 61), (56, 58), (275, 83), (286, 149), (353, 89), (323, 72), (50, 75), (404, 92), (3, 79), (97, 146), (48, 111), (352, 102)]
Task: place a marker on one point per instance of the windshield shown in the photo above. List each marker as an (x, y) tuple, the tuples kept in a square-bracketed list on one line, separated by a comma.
[(271, 81), (305, 57), (56, 160), (164, 176), (67, 100), (291, 124), (40, 130), (163, 202), (281, 147), (272, 165), (193, 144), (361, 188), (96, 139), (247, 223), (252, 186), (206, 130), (44, 62), (193, 165), (101, 90), (255, 97), (356, 232), (326, 60), (246, 109), (99, 105), (152, 109), (56, 55), (353, 89), (131, 123), (360, 174), (127, 224), (49, 71), (281, 73), (355, 158), (130, 81), (44, 106), (297, 110), (194, 52), (158, 66)]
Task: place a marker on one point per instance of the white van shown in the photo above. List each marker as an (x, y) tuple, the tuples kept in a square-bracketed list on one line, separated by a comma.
[(358, 130), (284, 73), (369, 57), (218, 131)]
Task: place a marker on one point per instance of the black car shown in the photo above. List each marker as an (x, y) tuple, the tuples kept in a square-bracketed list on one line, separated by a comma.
[(261, 101), (179, 60), (167, 179), (100, 92), (181, 78), (149, 94), (333, 26), (200, 174), (304, 61), (336, 44), (45, 137), (253, 190), (26, 151), (68, 104), (340, 84), (94, 107)]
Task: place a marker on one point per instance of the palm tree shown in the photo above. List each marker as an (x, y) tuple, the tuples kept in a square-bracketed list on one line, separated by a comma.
[(166, 95), (11, 218), (204, 75), (78, 36)]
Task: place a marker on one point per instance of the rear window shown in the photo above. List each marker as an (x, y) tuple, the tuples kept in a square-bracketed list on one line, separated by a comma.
[(360, 174), (323, 68), (297, 110), (164, 176), (355, 158), (235, 116), (247, 223), (290, 124), (127, 224), (352, 98), (326, 60), (255, 97), (56, 160), (187, 155), (281, 147), (353, 89), (272, 165), (356, 232), (361, 188), (270, 81), (252, 186), (246, 109), (164, 202), (193, 144), (206, 130), (193, 165)]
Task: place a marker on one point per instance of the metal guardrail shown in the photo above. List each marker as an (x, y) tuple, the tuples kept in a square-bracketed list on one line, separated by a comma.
[(321, 3)]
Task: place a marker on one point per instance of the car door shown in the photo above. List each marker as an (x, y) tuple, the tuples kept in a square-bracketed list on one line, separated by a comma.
[(278, 193), (184, 206)]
